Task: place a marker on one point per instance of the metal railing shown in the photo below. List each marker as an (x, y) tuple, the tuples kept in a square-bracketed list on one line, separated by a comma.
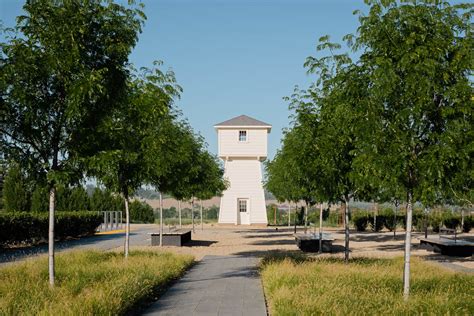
[(112, 220)]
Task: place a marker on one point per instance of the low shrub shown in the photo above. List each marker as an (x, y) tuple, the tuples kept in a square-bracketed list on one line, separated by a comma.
[(360, 221), (141, 212), (88, 282), (468, 224), (379, 222), (391, 221), (33, 227), (452, 221)]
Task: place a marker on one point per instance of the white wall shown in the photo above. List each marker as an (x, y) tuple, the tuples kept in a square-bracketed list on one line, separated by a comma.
[(230, 146), (245, 177)]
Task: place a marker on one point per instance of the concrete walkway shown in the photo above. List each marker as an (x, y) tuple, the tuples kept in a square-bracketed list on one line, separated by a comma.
[(217, 285)]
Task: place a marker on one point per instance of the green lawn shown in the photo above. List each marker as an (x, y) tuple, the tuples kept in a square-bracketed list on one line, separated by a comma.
[(364, 286), (87, 282)]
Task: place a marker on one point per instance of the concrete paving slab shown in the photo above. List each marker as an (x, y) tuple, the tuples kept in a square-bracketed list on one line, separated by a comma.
[(218, 285)]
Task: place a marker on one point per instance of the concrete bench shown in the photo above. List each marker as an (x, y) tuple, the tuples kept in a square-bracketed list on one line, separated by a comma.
[(175, 238), (310, 242), (458, 248)]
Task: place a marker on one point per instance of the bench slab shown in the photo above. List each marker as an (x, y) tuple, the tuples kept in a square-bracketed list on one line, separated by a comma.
[(458, 248), (310, 242), (175, 238)]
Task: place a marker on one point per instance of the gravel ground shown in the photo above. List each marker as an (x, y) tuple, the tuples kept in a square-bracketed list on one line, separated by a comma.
[(257, 241)]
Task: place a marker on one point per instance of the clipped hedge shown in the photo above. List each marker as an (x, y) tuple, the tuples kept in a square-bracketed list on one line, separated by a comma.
[(468, 224), (32, 228)]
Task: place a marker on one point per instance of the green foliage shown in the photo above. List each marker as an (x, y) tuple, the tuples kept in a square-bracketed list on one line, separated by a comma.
[(452, 221), (360, 220), (15, 191), (78, 199), (468, 224), (390, 221), (379, 222), (89, 282), (141, 212), (63, 71), (104, 201), (32, 228), (40, 199)]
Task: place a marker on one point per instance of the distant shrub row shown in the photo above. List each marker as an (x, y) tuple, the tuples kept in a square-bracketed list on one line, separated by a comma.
[(32, 228), (387, 219)]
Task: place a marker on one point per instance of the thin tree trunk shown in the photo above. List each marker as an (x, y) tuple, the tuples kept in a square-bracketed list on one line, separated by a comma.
[(321, 228), (406, 271), (192, 212), (375, 217), (346, 230), (462, 219), (161, 220), (52, 197), (127, 226), (179, 213), (306, 217), (395, 219), (202, 227), (289, 214), (296, 214)]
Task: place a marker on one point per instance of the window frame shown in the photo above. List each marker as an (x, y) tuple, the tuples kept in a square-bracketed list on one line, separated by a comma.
[(241, 133), (240, 204)]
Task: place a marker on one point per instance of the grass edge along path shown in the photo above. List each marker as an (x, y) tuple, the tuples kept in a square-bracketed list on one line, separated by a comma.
[(88, 282), (366, 286)]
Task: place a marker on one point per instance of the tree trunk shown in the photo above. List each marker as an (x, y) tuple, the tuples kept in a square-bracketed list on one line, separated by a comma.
[(406, 271), (202, 227), (321, 228), (462, 219), (192, 212), (127, 226), (52, 197), (395, 219), (161, 220), (346, 230), (274, 216), (375, 217), (306, 217), (296, 214), (289, 214), (179, 214)]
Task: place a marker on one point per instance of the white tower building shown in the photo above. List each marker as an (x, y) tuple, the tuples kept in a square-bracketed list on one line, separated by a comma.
[(243, 146)]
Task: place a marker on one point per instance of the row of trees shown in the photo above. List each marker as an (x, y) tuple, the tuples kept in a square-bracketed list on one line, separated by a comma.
[(395, 124), (73, 106)]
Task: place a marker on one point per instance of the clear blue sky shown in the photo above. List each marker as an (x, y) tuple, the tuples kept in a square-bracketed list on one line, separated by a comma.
[(234, 57)]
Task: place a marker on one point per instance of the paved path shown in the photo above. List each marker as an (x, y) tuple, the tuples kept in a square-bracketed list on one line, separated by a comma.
[(217, 285)]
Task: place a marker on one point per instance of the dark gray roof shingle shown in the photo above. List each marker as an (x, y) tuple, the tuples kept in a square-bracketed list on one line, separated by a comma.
[(243, 120)]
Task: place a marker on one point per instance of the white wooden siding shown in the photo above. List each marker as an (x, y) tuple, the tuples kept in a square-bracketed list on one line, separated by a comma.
[(230, 146), (245, 177)]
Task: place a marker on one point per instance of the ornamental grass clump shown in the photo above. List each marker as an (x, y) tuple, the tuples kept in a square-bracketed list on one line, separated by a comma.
[(87, 282), (363, 287)]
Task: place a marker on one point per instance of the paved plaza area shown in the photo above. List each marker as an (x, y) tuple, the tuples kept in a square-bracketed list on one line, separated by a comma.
[(225, 279), (217, 285)]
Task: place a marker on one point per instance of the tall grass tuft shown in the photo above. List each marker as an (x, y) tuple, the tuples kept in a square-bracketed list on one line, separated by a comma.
[(87, 282), (363, 287)]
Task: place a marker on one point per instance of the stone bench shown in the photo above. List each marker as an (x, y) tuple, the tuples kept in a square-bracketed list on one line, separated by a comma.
[(310, 242), (175, 238)]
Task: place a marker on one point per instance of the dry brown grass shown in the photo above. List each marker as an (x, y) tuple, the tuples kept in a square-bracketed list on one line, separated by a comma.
[(87, 282), (364, 286)]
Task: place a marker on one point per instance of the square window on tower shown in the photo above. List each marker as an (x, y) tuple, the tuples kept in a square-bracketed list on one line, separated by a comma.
[(242, 136)]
